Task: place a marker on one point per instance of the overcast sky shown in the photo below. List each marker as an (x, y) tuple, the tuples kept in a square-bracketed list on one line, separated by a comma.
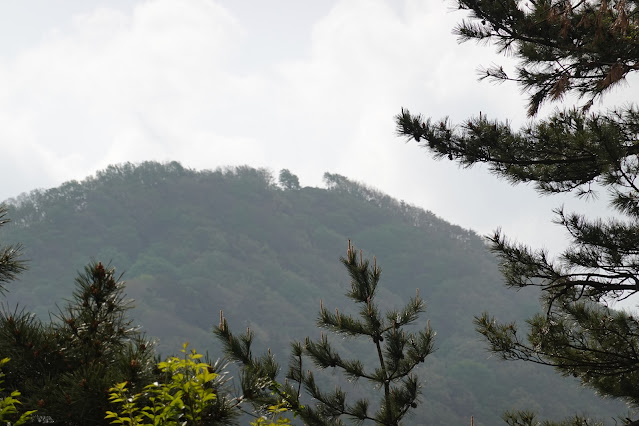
[(311, 86)]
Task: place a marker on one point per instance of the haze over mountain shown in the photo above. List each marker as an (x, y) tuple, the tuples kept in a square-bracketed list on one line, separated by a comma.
[(192, 243)]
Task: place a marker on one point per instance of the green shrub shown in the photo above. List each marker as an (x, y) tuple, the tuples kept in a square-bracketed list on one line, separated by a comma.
[(187, 397), (9, 412)]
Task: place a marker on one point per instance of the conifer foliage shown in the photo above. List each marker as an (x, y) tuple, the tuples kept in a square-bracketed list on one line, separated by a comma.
[(10, 264), (11, 411), (64, 369), (398, 352), (580, 47)]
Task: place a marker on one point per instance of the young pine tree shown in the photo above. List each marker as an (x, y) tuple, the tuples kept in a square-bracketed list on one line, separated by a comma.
[(397, 351), (64, 369)]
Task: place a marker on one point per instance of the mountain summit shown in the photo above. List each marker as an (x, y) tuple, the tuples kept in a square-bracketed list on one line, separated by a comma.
[(192, 243)]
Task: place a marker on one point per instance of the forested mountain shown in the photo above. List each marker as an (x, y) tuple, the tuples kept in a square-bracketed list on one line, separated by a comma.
[(192, 243)]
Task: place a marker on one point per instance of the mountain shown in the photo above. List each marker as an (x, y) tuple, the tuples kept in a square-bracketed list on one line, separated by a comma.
[(192, 243)]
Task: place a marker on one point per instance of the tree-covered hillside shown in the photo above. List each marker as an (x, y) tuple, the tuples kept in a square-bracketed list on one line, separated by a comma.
[(192, 243)]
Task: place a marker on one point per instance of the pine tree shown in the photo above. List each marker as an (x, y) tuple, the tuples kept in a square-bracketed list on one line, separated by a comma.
[(65, 368), (397, 351), (10, 264), (580, 47), (11, 411)]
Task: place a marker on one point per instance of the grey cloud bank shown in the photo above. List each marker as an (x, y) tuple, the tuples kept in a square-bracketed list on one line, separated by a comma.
[(216, 83)]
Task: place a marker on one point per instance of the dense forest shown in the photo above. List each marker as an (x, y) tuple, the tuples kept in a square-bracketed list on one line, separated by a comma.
[(192, 243)]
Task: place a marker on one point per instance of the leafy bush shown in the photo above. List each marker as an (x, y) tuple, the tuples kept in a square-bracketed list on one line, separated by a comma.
[(187, 397), (9, 412)]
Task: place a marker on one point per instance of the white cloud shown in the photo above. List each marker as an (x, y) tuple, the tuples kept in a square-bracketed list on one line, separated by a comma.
[(361, 69), (118, 85), (202, 82)]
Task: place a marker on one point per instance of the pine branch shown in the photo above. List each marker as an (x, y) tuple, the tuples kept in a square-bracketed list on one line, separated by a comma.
[(398, 353), (10, 264)]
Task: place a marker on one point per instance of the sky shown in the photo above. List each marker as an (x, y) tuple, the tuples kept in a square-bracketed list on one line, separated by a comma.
[(308, 86)]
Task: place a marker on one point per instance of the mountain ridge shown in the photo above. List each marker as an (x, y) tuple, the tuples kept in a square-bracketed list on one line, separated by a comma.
[(195, 242)]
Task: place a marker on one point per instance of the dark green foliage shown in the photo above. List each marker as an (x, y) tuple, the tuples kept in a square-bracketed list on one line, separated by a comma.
[(527, 418), (565, 152), (288, 180), (64, 368), (10, 265), (563, 47), (194, 242), (589, 341), (398, 354)]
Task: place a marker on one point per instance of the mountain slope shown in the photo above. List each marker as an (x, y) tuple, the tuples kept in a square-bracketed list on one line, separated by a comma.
[(195, 242)]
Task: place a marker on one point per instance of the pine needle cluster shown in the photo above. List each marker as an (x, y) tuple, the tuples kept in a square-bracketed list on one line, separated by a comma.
[(10, 263), (397, 350), (584, 48), (64, 368)]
